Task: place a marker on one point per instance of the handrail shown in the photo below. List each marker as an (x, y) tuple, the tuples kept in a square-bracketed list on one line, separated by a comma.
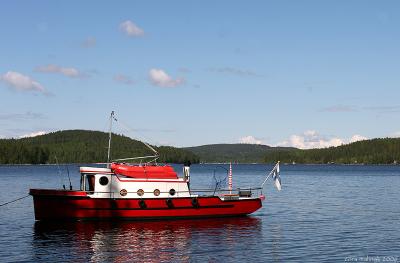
[(136, 158), (177, 192)]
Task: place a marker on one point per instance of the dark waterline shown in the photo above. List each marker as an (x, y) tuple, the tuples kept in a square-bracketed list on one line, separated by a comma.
[(330, 213)]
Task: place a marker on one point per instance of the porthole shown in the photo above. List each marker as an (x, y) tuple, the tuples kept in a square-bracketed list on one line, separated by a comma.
[(172, 192), (156, 192), (140, 192), (103, 180), (123, 192)]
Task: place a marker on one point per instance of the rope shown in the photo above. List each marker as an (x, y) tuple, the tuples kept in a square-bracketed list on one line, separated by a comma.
[(15, 200)]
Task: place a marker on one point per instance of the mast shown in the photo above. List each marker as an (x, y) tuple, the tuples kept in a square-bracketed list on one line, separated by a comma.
[(109, 140)]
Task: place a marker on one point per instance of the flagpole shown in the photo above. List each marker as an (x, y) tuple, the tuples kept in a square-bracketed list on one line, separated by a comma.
[(270, 173), (230, 178)]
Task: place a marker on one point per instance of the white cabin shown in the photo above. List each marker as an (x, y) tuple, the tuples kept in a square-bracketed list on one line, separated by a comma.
[(105, 183)]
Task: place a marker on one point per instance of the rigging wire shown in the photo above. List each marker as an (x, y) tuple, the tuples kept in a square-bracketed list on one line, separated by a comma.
[(15, 200), (219, 180), (129, 129), (106, 124), (124, 126)]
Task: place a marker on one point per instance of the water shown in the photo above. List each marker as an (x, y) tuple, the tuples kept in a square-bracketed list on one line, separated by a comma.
[(323, 214)]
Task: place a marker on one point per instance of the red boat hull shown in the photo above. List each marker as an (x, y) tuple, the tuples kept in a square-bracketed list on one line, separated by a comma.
[(61, 204)]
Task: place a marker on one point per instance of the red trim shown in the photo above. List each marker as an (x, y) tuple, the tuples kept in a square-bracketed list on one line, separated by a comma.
[(53, 192)]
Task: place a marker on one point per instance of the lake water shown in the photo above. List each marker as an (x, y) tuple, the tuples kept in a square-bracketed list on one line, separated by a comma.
[(323, 214)]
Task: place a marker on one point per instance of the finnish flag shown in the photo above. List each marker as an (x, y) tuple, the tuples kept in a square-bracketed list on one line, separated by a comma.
[(276, 177)]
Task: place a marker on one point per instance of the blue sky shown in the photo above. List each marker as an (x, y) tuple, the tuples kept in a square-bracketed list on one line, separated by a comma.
[(183, 73)]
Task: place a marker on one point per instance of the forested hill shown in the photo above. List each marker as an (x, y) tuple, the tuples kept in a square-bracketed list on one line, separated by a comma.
[(242, 153), (375, 151), (82, 146)]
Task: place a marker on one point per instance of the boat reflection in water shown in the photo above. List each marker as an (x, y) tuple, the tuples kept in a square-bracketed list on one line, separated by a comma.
[(159, 241)]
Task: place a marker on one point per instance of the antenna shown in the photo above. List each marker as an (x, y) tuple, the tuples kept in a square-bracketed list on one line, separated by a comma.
[(59, 171), (109, 138), (69, 178)]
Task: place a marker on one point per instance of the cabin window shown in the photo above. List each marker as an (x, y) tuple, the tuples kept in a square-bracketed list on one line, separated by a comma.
[(82, 182), (91, 182), (87, 182), (103, 180), (156, 192), (172, 192), (140, 192)]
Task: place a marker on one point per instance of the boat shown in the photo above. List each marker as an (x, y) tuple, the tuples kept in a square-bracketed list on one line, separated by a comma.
[(141, 191)]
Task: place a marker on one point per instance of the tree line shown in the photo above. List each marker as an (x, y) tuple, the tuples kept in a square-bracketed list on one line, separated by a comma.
[(375, 151), (81, 146), (239, 152)]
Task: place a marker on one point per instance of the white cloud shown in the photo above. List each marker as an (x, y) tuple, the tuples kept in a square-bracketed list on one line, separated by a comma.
[(21, 82), (339, 108), (185, 70), (131, 29), (312, 139), (123, 79), (68, 72), (33, 134), (236, 71), (357, 137), (160, 78), (21, 116), (394, 135), (250, 140), (89, 42), (384, 109)]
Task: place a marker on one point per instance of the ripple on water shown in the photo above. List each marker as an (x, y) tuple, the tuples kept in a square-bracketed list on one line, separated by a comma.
[(323, 214)]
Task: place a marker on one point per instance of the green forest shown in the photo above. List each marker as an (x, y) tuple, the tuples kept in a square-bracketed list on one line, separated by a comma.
[(238, 153), (82, 146), (375, 151)]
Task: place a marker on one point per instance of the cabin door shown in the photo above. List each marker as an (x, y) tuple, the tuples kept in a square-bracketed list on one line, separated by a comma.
[(103, 186)]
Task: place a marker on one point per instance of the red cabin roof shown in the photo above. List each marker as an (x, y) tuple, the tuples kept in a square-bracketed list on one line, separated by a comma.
[(150, 171)]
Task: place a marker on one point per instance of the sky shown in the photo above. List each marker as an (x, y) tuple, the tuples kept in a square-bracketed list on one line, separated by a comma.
[(307, 74)]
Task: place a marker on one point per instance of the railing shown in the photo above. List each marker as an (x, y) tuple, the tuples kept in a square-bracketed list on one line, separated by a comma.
[(251, 191), (240, 192)]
